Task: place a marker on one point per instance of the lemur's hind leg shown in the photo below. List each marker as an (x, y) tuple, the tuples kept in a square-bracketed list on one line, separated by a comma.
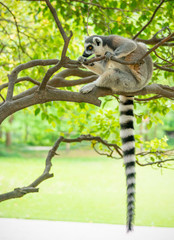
[(117, 80), (88, 87)]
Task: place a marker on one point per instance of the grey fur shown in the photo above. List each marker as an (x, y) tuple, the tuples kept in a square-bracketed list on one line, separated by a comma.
[(130, 78)]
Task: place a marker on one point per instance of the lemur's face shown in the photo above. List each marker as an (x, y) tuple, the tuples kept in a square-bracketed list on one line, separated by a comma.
[(95, 46)]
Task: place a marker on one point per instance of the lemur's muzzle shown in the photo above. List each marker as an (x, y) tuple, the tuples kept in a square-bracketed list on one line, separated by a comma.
[(86, 55)]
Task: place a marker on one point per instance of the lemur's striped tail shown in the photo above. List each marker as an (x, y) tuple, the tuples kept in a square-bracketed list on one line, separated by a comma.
[(128, 147)]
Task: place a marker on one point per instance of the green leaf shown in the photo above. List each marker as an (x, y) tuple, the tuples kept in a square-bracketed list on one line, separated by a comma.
[(37, 111)]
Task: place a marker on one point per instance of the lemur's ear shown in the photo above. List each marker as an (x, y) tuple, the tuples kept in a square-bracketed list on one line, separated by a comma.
[(97, 41), (85, 37)]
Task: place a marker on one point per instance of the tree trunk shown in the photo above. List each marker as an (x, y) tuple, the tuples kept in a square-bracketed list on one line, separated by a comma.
[(8, 138)]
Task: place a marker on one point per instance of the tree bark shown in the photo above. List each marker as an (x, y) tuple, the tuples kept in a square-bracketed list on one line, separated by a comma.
[(8, 135)]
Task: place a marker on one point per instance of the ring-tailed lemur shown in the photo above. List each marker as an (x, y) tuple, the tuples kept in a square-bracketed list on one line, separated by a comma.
[(120, 78)]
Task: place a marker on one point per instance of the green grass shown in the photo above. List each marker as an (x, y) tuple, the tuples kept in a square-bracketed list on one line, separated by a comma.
[(87, 189)]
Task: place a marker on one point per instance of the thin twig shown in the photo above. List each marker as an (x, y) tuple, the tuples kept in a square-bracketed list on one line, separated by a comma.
[(165, 60), (157, 45), (97, 5), (97, 139), (152, 163), (17, 28), (2, 97), (163, 68), (149, 20), (147, 99)]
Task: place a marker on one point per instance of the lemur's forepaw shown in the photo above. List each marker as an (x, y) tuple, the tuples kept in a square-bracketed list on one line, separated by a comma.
[(81, 59), (87, 88), (108, 56)]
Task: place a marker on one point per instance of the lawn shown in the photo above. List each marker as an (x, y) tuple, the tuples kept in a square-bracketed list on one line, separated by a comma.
[(87, 188)]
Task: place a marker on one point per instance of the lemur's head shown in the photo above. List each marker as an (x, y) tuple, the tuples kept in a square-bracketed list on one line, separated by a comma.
[(93, 45)]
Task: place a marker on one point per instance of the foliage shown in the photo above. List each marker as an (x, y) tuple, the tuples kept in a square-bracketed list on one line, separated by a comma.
[(36, 37)]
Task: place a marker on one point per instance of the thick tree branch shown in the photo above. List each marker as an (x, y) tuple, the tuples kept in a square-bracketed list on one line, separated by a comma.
[(54, 81), (51, 94), (61, 82), (32, 97)]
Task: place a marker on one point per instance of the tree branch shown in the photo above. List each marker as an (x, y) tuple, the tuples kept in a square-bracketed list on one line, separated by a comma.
[(97, 139), (54, 69), (164, 68), (22, 79), (165, 60), (54, 81), (97, 5), (61, 82), (154, 41), (63, 59), (58, 23), (153, 163), (13, 76), (148, 99), (157, 45), (53, 94), (16, 24), (153, 15), (50, 94), (31, 188)]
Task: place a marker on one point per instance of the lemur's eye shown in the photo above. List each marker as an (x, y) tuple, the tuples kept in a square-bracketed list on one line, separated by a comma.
[(90, 47)]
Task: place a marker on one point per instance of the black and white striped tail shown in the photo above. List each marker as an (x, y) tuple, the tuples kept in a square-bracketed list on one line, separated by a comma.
[(128, 147)]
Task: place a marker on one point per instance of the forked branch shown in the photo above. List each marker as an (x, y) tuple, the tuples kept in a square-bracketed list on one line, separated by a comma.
[(32, 188)]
